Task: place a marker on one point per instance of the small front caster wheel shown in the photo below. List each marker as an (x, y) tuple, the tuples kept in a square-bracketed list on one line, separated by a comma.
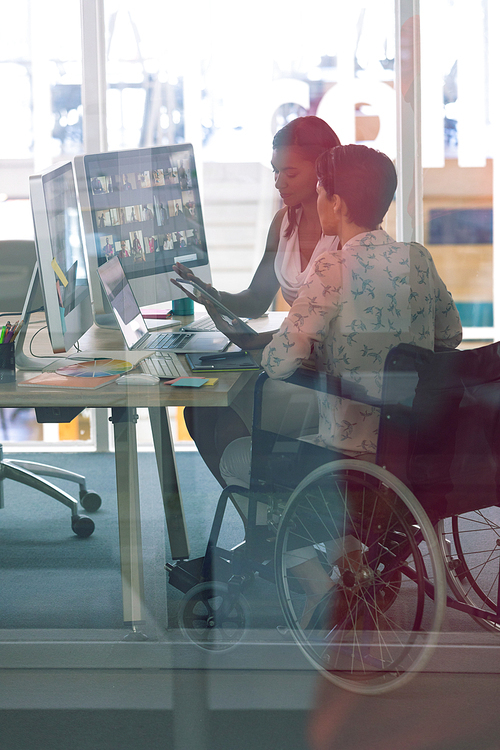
[(212, 617), (91, 501), (83, 526)]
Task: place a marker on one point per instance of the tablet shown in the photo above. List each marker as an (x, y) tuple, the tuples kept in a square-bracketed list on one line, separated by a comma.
[(224, 311)]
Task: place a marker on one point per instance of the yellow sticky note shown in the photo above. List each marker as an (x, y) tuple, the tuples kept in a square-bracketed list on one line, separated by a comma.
[(212, 381), (57, 270)]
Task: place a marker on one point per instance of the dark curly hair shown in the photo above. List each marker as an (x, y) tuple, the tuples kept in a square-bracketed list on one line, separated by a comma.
[(314, 136), (363, 177)]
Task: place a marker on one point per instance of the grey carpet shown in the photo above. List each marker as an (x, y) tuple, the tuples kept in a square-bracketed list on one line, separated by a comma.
[(53, 579)]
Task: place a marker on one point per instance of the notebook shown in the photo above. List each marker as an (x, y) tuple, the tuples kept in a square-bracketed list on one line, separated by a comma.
[(53, 380), (235, 362), (133, 326)]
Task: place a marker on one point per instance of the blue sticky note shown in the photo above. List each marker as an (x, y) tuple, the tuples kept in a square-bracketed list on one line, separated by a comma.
[(189, 382)]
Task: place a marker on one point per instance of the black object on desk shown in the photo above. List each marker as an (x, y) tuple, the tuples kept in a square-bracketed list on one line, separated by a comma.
[(7, 363), (222, 362)]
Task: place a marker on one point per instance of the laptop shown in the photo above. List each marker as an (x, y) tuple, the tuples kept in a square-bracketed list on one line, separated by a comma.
[(133, 326)]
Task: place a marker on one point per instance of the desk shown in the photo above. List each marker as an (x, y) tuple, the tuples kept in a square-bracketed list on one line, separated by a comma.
[(123, 402)]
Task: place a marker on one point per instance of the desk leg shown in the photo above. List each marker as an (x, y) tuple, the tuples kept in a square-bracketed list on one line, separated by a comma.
[(169, 483), (129, 516)]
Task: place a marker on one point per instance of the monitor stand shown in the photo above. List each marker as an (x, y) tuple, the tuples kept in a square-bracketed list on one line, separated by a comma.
[(105, 318), (24, 361)]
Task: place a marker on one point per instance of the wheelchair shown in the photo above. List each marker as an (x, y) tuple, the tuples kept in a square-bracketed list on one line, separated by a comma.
[(380, 620)]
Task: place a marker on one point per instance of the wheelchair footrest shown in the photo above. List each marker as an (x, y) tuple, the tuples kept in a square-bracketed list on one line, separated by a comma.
[(186, 574)]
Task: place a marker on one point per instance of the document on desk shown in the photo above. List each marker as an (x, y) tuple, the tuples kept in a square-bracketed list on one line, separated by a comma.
[(53, 380)]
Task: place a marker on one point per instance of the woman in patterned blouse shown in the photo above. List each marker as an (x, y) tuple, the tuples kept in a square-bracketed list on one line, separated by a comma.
[(364, 296)]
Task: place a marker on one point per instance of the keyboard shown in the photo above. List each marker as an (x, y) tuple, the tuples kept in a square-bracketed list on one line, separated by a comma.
[(201, 324), (166, 340), (166, 366)]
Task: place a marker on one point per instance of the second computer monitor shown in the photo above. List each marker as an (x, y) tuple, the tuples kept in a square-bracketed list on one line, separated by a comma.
[(60, 255), (144, 207)]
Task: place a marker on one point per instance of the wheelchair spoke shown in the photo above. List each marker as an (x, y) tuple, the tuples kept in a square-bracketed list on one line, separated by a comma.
[(375, 625), (474, 561)]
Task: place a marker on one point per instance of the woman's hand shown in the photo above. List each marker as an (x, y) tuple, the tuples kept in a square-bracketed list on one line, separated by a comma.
[(188, 275), (235, 331), (186, 291)]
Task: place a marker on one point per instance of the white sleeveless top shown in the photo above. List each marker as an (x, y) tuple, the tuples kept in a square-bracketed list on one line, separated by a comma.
[(287, 261)]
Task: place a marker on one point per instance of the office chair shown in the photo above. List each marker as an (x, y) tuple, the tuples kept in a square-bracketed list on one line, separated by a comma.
[(17, 261)]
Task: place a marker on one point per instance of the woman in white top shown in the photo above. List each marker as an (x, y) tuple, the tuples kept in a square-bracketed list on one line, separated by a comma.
[(294, 241)]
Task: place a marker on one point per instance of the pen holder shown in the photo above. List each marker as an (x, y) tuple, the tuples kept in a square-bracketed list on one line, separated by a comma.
[(184, 306), (7, 363)]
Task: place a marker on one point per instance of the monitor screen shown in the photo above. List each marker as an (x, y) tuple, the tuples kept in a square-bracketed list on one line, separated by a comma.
[(144, 207), (60, 256)]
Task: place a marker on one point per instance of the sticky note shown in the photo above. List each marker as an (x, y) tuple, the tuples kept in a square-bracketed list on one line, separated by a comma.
[(189, 382), (57, 270)]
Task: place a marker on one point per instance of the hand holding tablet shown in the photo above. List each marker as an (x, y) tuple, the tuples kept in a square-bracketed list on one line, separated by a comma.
[(199, 294)]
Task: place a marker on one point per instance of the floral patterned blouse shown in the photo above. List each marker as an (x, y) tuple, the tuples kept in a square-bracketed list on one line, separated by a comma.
[(355, 305)]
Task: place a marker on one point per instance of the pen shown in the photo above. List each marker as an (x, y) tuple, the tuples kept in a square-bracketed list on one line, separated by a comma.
[(5, 332), (14, 331)]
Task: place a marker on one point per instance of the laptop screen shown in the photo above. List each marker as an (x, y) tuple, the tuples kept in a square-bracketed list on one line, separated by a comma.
[(122, 300)]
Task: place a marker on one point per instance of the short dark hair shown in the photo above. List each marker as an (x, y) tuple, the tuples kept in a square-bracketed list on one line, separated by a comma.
[(363, 177), (314, 136)]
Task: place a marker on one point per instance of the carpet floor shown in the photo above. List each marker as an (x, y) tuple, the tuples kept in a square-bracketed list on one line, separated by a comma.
[(52, 579)]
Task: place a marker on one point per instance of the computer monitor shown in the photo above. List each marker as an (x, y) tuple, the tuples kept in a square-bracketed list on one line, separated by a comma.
[(60, 256), (144, 207)]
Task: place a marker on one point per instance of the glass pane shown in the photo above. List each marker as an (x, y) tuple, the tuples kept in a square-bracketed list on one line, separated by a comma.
[(229, 101), (40, 70), (457, 152)]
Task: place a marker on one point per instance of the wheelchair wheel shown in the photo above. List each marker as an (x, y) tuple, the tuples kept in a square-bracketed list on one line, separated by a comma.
[(359, 531), (473, 561), (213, 617)]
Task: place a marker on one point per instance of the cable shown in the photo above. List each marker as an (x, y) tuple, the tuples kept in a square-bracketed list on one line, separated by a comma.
[(76, 347), (37, 356)]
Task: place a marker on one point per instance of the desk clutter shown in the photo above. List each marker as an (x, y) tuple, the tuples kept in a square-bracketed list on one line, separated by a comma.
[(8, 332), (96, 372), (89, 374)]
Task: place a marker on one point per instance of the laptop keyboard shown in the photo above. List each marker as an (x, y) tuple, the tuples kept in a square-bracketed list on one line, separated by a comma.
[(165, 340), (202, 324), (166, 366)]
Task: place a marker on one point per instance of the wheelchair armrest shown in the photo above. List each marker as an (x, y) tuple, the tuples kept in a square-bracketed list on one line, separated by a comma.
[(318, 381)]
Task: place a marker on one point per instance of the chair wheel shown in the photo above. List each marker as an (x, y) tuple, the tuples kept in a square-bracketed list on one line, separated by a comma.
[(83, 526), (91, 501), (212, 617)]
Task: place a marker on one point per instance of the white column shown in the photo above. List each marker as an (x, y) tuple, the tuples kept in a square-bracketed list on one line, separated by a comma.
[(471, 83), (42, 110), (93, 76), (432, 23), (409, 203)]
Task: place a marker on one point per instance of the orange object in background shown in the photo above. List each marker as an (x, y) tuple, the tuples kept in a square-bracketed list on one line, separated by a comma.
[(182, 433), (77, 429)]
